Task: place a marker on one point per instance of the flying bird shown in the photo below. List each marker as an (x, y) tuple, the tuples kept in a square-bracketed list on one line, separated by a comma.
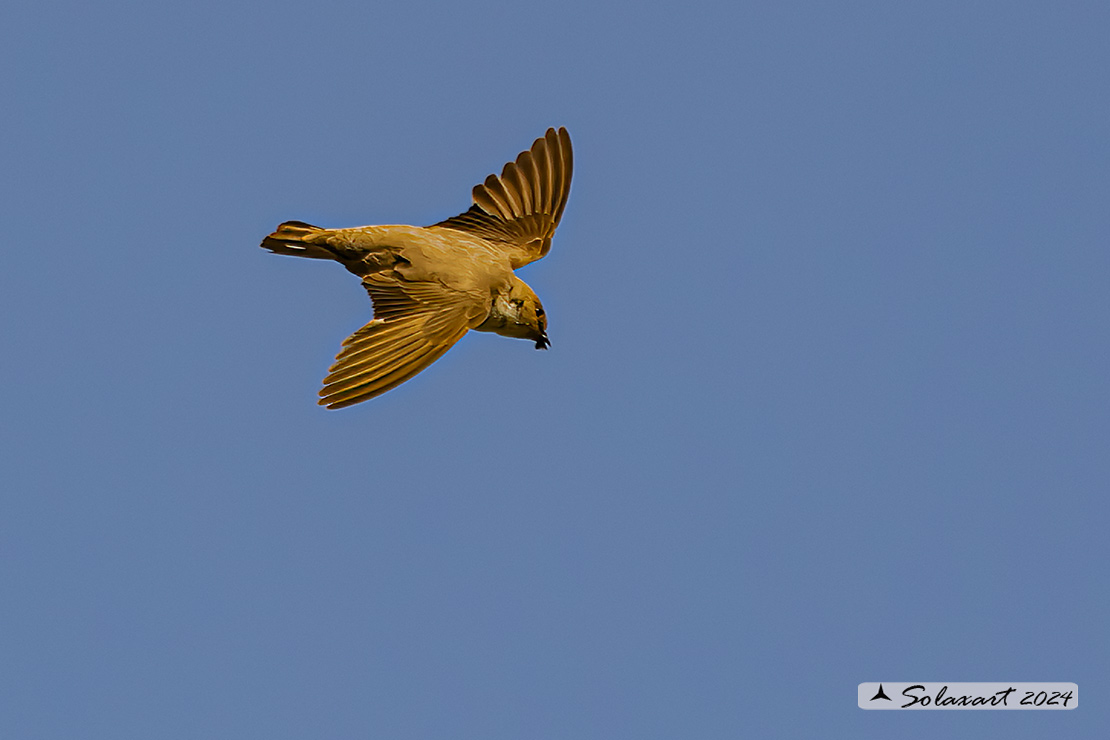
[(430, 285)]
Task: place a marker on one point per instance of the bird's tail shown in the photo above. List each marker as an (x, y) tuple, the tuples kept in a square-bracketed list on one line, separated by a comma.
[(295, 238)]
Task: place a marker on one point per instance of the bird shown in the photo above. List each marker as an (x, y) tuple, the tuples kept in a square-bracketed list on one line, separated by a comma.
[(430, 285)]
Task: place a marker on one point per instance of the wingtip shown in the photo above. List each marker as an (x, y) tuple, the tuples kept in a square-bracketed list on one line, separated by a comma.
[(331, 405)]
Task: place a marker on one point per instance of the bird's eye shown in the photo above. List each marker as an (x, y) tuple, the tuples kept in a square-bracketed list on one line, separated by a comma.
[(539, 310)]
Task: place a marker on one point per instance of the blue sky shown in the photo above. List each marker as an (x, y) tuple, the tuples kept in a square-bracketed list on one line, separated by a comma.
[(826, 402)]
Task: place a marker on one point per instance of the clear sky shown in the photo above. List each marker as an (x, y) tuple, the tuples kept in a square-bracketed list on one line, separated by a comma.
[(827, 399)]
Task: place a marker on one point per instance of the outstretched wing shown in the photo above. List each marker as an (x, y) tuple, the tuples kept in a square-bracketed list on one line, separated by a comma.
[(521, 208), (414, 324)]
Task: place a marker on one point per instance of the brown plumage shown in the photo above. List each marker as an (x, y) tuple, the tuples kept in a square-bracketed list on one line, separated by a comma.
[(431, 284)]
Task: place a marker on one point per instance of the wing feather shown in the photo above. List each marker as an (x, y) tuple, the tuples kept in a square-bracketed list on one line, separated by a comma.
[(374, 357), (525, 179), (414, 324), (521, 209)]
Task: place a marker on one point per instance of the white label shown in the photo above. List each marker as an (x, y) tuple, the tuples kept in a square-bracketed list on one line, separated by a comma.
[(979, 695)]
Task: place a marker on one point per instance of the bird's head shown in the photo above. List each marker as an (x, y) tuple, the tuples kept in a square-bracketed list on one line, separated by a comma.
[(517, 312)]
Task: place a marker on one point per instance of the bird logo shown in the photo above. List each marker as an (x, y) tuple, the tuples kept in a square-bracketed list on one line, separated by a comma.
[(430, 285)]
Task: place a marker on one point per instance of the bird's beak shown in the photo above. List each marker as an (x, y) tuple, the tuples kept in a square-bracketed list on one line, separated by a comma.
[(543, 342)]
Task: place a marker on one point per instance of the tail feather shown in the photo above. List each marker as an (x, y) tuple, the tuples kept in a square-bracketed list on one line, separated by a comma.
[(295, 239)]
